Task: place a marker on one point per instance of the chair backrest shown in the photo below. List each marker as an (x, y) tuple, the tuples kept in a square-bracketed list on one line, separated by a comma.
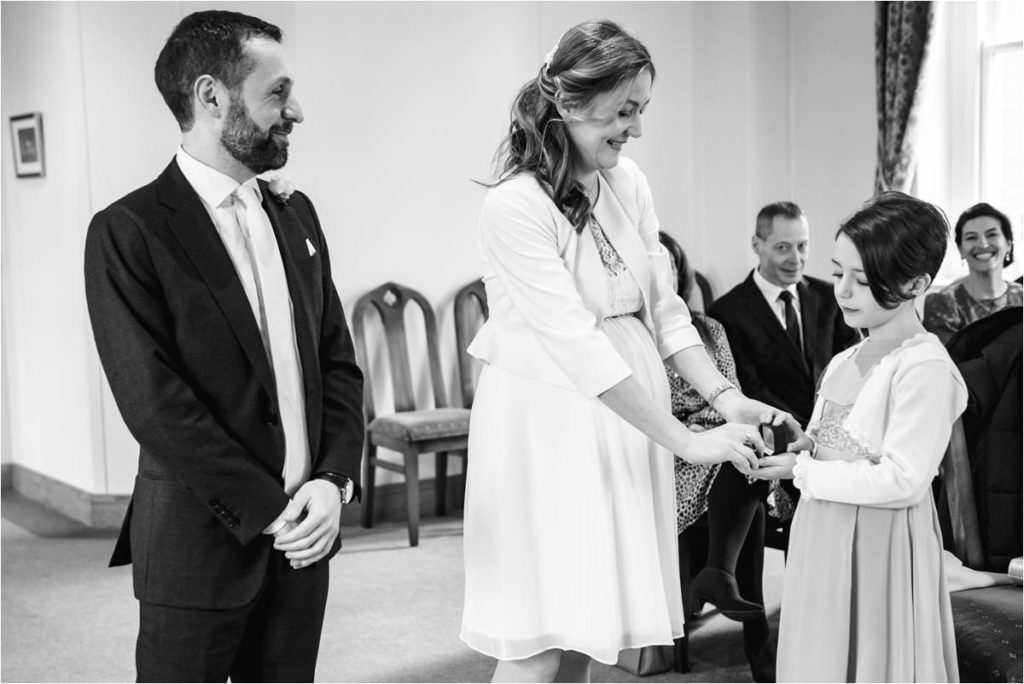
[(706, 296), (390, 301), (470, 306)]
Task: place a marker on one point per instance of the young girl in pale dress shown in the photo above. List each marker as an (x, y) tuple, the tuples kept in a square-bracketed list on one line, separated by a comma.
[(570, 537), (864, 596)]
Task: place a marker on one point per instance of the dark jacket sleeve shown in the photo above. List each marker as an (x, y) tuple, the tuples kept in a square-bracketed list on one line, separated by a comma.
[(341, 439), (134, 333)]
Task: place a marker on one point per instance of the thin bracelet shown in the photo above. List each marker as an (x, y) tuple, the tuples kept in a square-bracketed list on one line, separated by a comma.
[(715, 393)]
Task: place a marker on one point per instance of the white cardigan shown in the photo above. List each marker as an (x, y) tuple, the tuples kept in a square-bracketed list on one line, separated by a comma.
[(546, 286), (904, 413)]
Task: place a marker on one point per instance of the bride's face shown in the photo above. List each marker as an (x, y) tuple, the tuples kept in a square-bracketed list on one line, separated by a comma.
[(601, 129)]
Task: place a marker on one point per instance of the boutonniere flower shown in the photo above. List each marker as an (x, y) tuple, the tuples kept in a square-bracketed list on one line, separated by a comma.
[(281, 187)]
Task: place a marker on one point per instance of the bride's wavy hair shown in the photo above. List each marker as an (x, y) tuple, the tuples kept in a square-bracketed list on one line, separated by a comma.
[(590, 59)]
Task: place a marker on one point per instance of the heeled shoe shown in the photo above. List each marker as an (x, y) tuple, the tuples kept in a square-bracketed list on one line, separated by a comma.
[(719, 588)]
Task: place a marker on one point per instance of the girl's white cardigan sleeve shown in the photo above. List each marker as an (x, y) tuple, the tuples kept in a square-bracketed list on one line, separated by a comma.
[(905, 415)]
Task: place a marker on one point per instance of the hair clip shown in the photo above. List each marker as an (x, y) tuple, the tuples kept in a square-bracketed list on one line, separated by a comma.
[(548, 58)]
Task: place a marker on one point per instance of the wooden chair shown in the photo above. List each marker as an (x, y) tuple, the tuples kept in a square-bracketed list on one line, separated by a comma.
[(470, 305), (409, 430)]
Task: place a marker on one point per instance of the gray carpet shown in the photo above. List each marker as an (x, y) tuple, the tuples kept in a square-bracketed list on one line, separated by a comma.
[(392, 616)]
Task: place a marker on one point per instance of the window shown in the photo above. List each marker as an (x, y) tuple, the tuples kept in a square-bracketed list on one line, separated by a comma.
[(1002, 108), (971, 118)]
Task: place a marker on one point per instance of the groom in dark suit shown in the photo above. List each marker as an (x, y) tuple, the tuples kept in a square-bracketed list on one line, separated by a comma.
[(225, 345)]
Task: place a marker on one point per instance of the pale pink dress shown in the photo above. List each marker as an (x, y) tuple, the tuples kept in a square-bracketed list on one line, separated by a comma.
[(864, 596)]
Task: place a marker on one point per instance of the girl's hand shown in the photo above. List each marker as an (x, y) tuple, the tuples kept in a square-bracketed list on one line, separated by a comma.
[(738, 444), (778, 467), (801, 442)]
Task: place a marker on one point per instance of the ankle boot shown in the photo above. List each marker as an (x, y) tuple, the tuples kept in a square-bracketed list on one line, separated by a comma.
[(719, 587)]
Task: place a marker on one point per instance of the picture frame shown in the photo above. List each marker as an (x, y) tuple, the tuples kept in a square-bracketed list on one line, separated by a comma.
[(27, 139)]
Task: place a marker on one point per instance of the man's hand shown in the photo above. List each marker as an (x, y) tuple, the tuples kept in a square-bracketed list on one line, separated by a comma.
[(314, 518)]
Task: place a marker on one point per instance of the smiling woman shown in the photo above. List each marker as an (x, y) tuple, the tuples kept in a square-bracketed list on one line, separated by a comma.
[(985, 239), (570, 535)]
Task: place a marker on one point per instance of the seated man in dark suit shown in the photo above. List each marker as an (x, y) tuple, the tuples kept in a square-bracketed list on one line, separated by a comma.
[(783, 328)]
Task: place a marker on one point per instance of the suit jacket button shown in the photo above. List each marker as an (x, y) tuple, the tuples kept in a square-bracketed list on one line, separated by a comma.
[(273, 418)]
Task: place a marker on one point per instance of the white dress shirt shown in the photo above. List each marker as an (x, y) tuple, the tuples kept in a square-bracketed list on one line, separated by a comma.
[(770, 292), (216, 191)]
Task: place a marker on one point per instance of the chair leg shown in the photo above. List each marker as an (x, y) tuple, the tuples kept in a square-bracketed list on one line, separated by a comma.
[(440, 482), (681, 655), (412, 498), (369, 476)]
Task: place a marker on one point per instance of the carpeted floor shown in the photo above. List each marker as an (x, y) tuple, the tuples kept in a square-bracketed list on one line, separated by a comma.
[(393, 613)]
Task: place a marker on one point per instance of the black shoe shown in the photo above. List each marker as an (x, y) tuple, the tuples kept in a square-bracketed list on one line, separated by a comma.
[(719, 587)]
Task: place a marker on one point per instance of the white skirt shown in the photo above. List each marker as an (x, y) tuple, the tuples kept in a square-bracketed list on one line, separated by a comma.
[(570, 537)]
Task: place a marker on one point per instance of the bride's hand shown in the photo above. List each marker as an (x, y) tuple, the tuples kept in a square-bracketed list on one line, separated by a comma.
[(736, 407), (738, 444)]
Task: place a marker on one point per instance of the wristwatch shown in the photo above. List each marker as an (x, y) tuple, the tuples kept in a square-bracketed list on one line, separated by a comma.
[(344, 484)]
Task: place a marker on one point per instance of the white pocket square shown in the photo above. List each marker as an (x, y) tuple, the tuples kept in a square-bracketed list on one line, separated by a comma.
[(310, 247)]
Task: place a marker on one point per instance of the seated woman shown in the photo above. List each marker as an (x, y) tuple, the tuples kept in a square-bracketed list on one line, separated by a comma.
[(695, 486), (694, 480), (985, 239)]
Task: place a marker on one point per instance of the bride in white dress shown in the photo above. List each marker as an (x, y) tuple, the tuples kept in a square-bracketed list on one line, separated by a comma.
[(570, 542)]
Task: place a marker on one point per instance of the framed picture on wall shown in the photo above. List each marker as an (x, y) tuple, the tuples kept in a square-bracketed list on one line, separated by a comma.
[(27, 136)]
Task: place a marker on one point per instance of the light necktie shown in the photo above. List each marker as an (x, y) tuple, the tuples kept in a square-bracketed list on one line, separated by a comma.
[(276, 329), (792, 325)]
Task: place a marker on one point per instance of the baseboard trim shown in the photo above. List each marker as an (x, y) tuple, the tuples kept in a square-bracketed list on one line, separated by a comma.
[(106, 511), (101, 511)]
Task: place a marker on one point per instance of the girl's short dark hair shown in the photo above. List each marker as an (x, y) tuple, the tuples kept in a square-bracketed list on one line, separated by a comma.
[(985, 209), (899, 238)]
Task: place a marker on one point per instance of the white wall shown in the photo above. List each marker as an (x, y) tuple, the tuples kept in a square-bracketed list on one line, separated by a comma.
[(405, 104), (832, 81), (49, 374)]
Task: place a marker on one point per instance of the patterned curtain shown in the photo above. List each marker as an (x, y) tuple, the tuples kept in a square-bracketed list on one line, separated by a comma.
[(902, 30)]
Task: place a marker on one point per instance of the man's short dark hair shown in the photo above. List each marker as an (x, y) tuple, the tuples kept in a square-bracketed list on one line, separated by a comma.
[(213, 43), (899, 238), (986, 210), (765, 217)]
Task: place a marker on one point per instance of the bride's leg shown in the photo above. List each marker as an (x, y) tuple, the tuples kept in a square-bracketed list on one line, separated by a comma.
[(542, 667)]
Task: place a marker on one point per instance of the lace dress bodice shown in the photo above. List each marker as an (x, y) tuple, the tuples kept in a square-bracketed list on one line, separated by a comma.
[(624, 295)]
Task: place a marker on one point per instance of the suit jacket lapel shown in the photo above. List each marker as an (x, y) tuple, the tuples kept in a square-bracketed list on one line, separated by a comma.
[(291, 240), (762, 312), (808, 320), (197, 235)]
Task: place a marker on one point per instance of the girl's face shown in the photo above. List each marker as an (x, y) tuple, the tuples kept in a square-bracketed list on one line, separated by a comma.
[(853, 294), (599, 132), (983, 245)]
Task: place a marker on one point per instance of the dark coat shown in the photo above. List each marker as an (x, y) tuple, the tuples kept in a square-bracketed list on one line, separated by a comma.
[(769, 366), (186, 364), (988, 354)]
